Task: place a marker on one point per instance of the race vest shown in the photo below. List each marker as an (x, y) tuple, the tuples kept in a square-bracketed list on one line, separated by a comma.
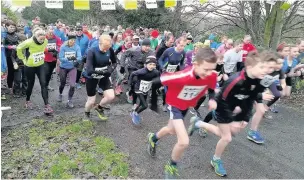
[(190, 92)]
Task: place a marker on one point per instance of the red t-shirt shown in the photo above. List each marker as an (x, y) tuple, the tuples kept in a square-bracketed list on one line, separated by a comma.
[(246, 49), (185, 88)]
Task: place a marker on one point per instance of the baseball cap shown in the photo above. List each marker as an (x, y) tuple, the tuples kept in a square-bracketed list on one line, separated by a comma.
[(146, 42)]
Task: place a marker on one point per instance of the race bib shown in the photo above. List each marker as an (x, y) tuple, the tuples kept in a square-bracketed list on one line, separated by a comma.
[(171, 68), (68, 55), (190, 92), (51, 46), (38, 57), (98, 76), (267, 81), (145, 86)]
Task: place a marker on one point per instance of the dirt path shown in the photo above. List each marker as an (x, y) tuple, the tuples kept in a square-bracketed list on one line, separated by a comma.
[(280, 157)]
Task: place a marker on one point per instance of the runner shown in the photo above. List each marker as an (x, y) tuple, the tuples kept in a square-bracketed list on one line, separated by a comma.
[(11, 40), (172, 60), (225, 47), (272, 81), (142, 82), (69, 57), (34, 65), (82, 41), (247, 47), (191, 54), (300, 44), (85, 30), (101, 62), (51, 53), (184, 90), (189, 46), (134, 59), (57, 32), (168, 42), (242, 89)]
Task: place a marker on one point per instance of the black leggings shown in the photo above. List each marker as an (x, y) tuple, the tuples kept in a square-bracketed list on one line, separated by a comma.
[(10, 72), (49, 68), (200, 102), (142, 102), (130, 71), (30, 73), (209, 117), (20, 82)]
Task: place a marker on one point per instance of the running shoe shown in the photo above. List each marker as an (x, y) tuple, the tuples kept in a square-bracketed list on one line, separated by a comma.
[(101, 114), (3, 97), (129, 98), (86, 116), (16, 96), (48, 110), (171, 171), (50, 88), (70, 104), (202, 133), (28, 105), (78, 86), (255, 136), (135, 118), (192, 128), (151, 145), (165, 108), (218, 166), (274, 109), (59, 98)]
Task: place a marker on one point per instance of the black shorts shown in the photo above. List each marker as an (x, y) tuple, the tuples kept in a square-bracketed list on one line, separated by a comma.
[(103, 83), (288, 81), (224, 114), (176, 113)]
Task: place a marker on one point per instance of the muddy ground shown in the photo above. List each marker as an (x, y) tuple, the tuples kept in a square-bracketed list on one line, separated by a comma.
[(280, 157)]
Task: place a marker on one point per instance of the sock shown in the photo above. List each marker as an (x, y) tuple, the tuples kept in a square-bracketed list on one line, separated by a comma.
[(173, 163), (197, 124), (87, 113), (154, 138), (216, 158)]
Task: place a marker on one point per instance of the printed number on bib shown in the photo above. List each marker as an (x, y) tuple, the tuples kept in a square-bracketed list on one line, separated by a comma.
[(145, 86), (69, 54), (51, 46), (267, 81), (190, 92), (98, 76), (38, 57), (171, 68)]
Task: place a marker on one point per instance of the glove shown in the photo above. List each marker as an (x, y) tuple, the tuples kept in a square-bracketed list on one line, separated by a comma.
[(279, 88), (72, 58), (55, 53), (122, 70), (51, 50), (109, 71), (76, 63)]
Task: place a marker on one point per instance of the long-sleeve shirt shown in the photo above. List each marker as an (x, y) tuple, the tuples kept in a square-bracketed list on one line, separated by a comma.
[(97, 60), (231, 58), (66, 52), (172, 60), (35, 55), (83, 42), (60, 34), (53, 43), (136, 58), (142, 79), (240, 90), (161, 50)]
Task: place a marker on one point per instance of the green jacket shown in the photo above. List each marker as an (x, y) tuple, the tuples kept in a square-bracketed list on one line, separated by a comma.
[(189, 47), (36, 52)]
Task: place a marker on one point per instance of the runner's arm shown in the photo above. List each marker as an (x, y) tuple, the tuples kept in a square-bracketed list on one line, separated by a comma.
[(22, 46)]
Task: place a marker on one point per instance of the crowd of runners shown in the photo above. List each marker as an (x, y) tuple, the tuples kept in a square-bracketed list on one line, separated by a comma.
[(240, 83)]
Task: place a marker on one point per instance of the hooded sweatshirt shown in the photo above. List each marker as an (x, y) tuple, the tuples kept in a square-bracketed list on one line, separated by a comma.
[(65, 52)]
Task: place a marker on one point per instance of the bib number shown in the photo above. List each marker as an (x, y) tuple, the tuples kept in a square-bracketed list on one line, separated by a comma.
[(190, 92), (68, 55), (171, 68), (98, 76), (267, 81), (51, 46), (145, 86), (38, 57)]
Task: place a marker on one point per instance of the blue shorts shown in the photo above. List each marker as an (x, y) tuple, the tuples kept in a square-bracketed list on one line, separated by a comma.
[(176, 113)]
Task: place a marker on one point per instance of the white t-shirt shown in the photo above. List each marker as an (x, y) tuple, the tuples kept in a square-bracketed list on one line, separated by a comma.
[(231, 58)]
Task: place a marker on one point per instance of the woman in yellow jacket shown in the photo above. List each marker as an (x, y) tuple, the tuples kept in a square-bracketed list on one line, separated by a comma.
[(34, 65)]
